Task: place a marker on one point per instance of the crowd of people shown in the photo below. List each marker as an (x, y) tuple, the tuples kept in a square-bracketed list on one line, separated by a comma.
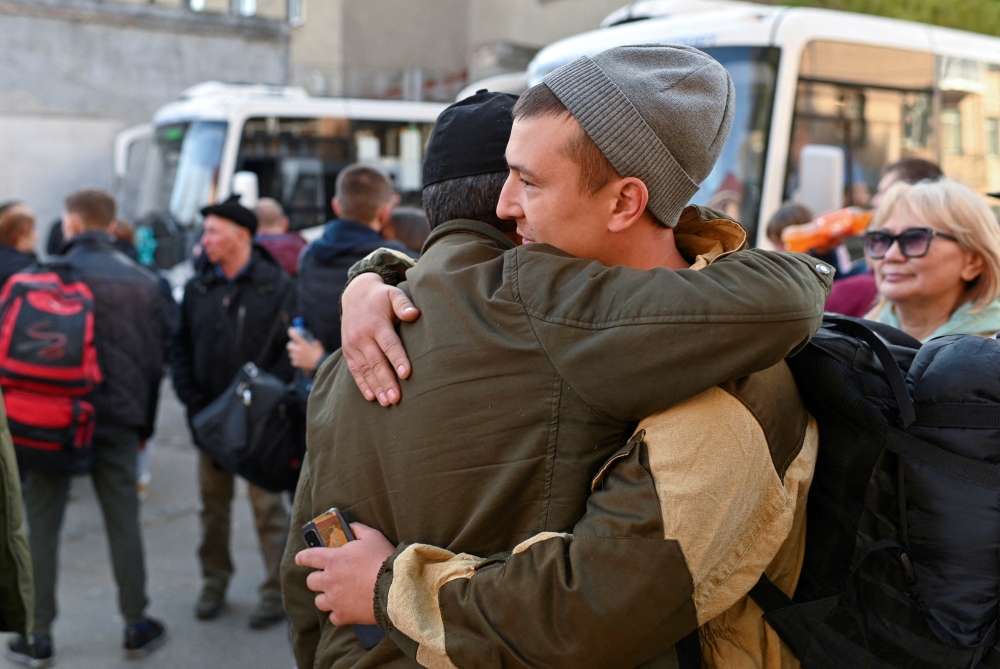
[(581, 342), (237, 308)]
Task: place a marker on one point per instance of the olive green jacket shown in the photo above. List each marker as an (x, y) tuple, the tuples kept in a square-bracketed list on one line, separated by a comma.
[(531, 368), (17, 596)]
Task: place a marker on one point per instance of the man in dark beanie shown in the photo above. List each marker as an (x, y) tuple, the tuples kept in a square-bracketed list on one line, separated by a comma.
[(532, 369), (235, 310)]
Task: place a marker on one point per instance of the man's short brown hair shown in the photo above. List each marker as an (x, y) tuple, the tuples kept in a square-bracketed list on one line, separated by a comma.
[(595, 169), (14, 225), (94, 207), (361, 191), (915, 170)]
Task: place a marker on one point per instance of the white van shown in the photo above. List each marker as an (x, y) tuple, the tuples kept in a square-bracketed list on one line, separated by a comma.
[(277, 141), (879, 89)]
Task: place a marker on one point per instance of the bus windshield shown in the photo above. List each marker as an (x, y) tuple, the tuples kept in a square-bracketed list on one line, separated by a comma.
[(734, 186), (179, 170), (197, 174)]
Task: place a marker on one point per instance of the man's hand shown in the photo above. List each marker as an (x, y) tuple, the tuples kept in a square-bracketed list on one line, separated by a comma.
[(369, 341), (304, 354), (346, 577)]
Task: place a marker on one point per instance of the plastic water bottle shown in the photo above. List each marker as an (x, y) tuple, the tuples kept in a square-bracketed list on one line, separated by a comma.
[(299, 325)]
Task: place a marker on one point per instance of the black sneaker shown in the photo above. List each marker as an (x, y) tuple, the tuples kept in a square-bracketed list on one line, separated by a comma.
[(38, 656), (143, 637)]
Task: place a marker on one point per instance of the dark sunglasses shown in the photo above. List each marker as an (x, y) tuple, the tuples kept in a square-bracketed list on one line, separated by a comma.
[(913, 243)]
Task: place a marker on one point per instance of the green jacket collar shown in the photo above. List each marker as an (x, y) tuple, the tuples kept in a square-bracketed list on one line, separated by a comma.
[(465, 225)]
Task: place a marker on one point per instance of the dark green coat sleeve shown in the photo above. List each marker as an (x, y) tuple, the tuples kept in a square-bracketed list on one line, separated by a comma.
[(17, 598), (631, 343), (592, 586), (306, 620)]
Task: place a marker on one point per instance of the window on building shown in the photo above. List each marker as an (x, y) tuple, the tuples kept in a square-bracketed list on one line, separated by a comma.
[(993, 136), (951, 127)]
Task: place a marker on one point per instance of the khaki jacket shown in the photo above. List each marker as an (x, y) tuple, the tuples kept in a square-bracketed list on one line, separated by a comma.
[(531, 368), (17, 598)]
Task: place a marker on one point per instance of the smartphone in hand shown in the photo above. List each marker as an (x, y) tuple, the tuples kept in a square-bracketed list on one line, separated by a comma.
[(331, 530)]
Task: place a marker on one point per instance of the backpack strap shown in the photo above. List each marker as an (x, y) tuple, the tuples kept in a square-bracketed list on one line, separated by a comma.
[(991, 658), (977, 472), (969, 416), (768, 596), (856, 328)]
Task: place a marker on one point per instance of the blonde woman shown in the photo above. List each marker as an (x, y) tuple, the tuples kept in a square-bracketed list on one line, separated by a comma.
[(935, 249)]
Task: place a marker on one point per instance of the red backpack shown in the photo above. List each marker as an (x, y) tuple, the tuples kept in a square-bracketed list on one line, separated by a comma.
[(48, 367)]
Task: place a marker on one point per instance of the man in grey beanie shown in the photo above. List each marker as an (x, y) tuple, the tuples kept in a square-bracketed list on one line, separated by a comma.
[(533, 368)]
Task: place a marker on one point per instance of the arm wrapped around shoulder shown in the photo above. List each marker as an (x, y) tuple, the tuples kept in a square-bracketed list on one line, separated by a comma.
[(389, 264)]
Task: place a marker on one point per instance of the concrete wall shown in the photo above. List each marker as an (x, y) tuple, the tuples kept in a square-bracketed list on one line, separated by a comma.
[(535, 23), (317, 52), (375, 48), (75, 72), (392, 48)]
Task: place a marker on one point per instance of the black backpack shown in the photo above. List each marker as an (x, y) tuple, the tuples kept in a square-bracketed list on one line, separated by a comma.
[(902, 557)]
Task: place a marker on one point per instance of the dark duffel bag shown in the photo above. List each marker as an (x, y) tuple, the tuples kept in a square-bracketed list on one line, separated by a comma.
[(253, 430)]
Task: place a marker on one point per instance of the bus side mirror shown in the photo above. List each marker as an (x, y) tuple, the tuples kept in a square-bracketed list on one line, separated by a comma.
[(245, 185), (821, 178)]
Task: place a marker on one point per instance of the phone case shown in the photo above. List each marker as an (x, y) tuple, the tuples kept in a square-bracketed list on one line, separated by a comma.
[(331, 530)]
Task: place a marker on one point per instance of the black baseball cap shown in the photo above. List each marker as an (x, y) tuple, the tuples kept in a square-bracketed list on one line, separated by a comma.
[(470, 138), (232, 210)]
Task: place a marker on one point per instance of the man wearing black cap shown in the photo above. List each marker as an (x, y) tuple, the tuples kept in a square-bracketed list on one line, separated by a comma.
[(235, 310)]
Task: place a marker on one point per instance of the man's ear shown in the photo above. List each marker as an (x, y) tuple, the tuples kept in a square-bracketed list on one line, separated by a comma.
[(336, 207), (72, 224), (631, 198), (385, 213)]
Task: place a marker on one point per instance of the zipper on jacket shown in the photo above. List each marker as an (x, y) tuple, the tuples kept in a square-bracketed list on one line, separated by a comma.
[(240, 319)]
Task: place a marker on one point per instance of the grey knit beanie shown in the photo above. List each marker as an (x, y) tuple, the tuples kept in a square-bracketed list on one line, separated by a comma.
[(659, 112)]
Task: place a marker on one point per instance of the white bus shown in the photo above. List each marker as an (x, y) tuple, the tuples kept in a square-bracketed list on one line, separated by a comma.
[(275, 140), (879, 89)]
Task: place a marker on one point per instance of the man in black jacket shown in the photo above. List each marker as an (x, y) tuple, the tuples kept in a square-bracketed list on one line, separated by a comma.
[(363, 202), (235, 310), (130, 334)]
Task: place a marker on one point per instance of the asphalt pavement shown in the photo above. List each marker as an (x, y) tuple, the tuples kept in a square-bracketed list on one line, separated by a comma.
[(88, 634)]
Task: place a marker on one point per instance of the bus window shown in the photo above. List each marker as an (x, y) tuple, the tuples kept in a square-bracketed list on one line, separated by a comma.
[(297, 159), (197, 170), (735, 183), (875, 103)]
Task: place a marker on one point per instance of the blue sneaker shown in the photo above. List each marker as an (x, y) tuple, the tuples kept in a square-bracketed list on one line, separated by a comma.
[(143, 637), (37, 655)]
